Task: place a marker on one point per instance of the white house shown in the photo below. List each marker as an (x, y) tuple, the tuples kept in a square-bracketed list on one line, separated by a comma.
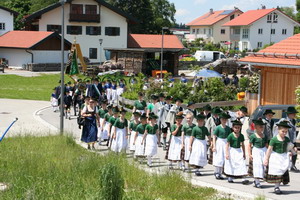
[(6, 20), (209, 25), (23, 47), (256, 28), (88, 21)]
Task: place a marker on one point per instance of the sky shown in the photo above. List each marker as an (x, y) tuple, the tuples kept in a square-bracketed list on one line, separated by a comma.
[(188, 10)]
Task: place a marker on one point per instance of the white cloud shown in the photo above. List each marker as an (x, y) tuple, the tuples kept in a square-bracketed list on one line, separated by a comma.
[(182, 12), (198, 2)]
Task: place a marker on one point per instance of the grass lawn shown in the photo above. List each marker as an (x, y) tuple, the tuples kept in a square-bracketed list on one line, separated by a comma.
[(55, 167)]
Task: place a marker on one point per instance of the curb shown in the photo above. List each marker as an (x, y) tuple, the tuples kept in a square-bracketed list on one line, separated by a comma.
[(36, 115)]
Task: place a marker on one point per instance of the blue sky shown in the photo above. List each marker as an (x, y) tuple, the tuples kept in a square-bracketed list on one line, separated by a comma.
[(187, 10)]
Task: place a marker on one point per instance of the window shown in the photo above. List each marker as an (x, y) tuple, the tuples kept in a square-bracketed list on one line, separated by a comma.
[(197, 32), (93, 30), (74, 30), (54, 28), (193, 30), (272, 18), (283, 31), (209, 32), (244, 45), (245, 33), (204, 31), (236, 31), (275, 18), (2, 26), (269, 18), (259, 45), (231, 17), (260, 31), (222, 31), (91, 9), (76, 8), (93, 53), (272, 31), (112, 31)]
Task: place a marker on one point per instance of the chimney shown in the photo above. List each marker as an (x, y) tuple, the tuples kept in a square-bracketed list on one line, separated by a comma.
[(263, 7), (211, 11)]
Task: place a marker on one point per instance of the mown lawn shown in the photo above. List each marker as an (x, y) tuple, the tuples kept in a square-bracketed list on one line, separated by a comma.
[(55, 167)]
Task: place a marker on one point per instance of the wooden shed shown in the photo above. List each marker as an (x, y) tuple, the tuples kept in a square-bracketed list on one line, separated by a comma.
[(144, 51), (279, 67)]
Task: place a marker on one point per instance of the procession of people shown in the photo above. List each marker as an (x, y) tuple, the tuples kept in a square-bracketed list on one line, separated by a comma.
[(191, 138)]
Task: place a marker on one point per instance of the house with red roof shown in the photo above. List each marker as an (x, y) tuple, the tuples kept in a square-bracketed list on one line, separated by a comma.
[(279, 67), (256, 28), (20, 48), (209, 26), (143, 53), (6, 19)]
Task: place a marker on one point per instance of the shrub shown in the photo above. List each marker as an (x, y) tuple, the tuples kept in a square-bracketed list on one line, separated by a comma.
[(244, 82), (111, 183), (253, 84), (180, 90)]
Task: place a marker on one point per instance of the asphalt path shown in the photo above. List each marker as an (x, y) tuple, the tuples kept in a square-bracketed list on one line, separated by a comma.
[(37, 118)]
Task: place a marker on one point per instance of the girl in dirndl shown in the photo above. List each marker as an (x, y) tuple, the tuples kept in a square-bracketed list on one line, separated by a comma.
[(186, 135), (150, 137), (105, 124), (219, 143), (235, 164), (175, 147), (257, 148), (102, 111), (108, 90), (132, 129), (114, 92), (120, 133), (198, 144), (140, 130), (277, 157), (111, 122)]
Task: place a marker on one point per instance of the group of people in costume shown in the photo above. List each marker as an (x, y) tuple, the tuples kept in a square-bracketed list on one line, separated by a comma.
[(194, 138)]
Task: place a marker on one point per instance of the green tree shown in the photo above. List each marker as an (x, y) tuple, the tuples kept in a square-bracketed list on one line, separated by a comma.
[(298, 10), (289, 11)]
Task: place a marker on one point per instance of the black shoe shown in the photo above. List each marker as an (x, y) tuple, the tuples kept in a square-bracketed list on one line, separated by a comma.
[(198, 173), (93, 147), (245, 182), (294, 169), (230, 181), (89, 147), (221, 177), (277, 190), (217, 176), (257, 185)]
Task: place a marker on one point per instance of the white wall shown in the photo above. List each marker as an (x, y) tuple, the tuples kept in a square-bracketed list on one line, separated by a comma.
[(107, 18), (15, 57), (49, 56), (7, 18)]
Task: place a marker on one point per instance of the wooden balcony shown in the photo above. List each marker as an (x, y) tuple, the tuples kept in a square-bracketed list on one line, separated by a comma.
[(84, 18)]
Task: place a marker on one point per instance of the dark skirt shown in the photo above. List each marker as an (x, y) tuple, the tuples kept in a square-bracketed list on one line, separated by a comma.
[(284, 179), (90, 130)]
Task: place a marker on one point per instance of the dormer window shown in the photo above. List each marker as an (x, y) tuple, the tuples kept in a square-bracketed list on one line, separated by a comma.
[(272, 18), (275, 18), (269, 18)]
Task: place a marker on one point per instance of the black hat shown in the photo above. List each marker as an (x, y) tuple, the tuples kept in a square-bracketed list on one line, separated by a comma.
[(143, 116), (236, 122), (284, 124), (216, 110), (122, 110), (140, 94), (136, 113), (54, 88), (179, 115), (115, 109), (291, 110), (198, 117), (79, 80), (154, 97), (59, 81), (269, 111), (244, 109), (104, 101), (179, 99), (224, 115), (153, 116), (190, 103), (258, 122), (69, 82), (161, 95), (168, 98), (207, 107), (109, 106), (86, 97)]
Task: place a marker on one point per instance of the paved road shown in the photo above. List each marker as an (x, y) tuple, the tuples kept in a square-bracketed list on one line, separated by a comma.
[(38, 118), (24, 73)]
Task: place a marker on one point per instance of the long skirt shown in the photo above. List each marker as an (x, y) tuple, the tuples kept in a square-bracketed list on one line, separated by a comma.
[(132, 136), (175, 149), (120, 143), (258, 155), (120, 91), (113, 95), (236, 165), (151, 145), (139, 147), (108, 94), (198, 155), (104, 134), (187, 152), (219, 155), (89, 130)]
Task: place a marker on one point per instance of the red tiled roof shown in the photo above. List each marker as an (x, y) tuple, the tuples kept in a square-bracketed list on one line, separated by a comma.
[(153, 41), (281, 53), (210, 19), (22, 39), (249, 17)]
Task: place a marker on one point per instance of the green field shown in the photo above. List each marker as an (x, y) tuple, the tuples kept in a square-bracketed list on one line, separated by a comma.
[(55, 167)]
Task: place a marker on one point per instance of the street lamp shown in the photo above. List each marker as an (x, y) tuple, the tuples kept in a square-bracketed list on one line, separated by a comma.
[(62, 84), (100, 42), (162, 50)]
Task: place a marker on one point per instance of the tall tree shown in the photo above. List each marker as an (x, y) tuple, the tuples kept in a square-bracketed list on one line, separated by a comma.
[(289, 11), (298, 10)]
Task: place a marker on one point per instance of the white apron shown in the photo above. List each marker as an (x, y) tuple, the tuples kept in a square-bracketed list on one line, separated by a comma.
[(120, 143), (187, 152), (236, 165), (175, 148), (258, 155), (139, 148), (198, 155), (108, 94), (104, 133), (131, 146), (120, 91), (113, 95), (151, 145), (219, 155), (278, 163), (141, 111)]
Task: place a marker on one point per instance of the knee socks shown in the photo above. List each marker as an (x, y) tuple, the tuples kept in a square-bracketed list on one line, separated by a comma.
[(277, 185), (256, 180)]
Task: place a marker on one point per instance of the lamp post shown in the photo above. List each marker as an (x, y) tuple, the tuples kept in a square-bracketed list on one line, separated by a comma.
[(100, 42), (62, 84), (162, 50)]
